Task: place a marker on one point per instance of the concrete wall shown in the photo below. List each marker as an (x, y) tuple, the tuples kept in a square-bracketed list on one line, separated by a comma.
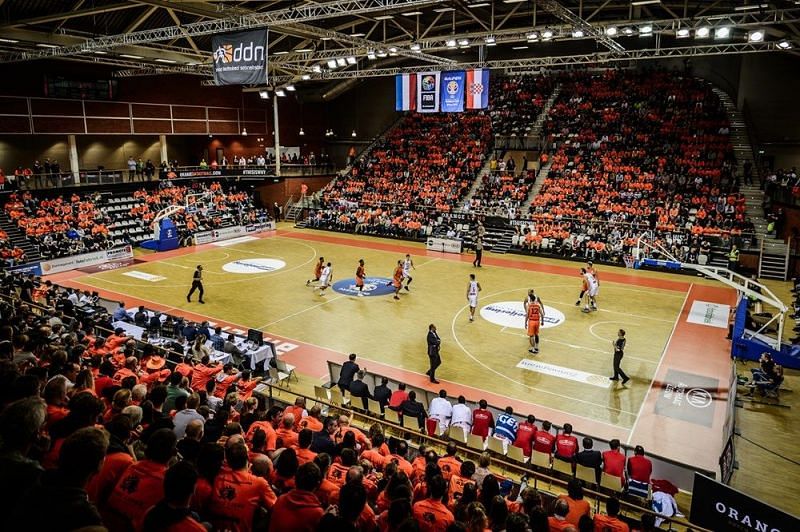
[(16, 150)]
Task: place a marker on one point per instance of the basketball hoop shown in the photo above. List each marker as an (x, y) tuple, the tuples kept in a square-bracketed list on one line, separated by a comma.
[(630, 262)]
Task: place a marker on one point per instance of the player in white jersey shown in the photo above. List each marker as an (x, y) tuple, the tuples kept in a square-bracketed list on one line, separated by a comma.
[(590, 269), (408, 265), (325, 278), (589, 290), (472, 295)]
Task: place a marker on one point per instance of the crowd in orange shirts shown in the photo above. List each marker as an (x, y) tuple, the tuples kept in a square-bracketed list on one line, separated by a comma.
[(427, 161), (104, 432), (517, 102), (9, 253)]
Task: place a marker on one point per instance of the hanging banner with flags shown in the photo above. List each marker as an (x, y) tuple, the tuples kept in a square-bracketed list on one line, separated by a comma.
[(478, 88), (452, 96), (428, 92), (405, 88), (240, 58)]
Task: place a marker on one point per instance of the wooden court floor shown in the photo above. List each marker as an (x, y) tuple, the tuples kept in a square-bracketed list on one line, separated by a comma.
[(482, 355)]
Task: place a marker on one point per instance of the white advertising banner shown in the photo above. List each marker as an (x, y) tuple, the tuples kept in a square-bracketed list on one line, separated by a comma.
[(445, 245), (225, 233), (65, 264), (564, 373), (711, 314)]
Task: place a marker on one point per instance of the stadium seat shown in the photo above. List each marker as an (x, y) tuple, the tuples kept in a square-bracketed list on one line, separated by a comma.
[(337, 398), (475, 442), (541, 460), (456, 433), (391, 416), (516, 454), (586, 474), (496, 445), (611, 482), (374, 407), (562, 467)]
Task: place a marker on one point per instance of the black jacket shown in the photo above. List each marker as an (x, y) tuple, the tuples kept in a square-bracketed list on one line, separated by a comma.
[(434, 342), (589, 458), (322, 443), (382, 394), (360, 389), (349, 370)]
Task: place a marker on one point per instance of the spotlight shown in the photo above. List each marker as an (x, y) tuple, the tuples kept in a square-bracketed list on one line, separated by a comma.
[(370, 54), (451, 43), (305, 77), (722, 33), (755, 36), (341, 61), (416, 47), (351, 60), (547, 34), (646, 30), (280, 92), (627, 31), (382, 53), (289, 87), (331, 63), (611, 31), (264, 95), (317, 69), (577, 34), (533, 36), (353, 134), (463, 42), (490, 40), (302, 133), (784, 45), (682, 33), (244, 131), (702, 32)]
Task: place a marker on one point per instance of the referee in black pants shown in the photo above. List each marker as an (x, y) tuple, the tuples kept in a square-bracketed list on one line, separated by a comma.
[(478, 252), (619, 351), (197, 284)]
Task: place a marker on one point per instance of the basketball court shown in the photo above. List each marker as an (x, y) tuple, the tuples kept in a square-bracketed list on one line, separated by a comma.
[(676, 389)]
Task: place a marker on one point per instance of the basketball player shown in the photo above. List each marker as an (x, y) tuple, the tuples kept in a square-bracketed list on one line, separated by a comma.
[(317, 271), (590, 268), (360, 274), (325, 278), (408, 265), (197, 284), (397, 279), (534, 318), (589, 291), (472, 295)]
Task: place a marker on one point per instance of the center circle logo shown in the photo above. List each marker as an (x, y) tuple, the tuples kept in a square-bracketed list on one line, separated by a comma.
[(512, 314), (698, 397), (254, 266), (373, 286)]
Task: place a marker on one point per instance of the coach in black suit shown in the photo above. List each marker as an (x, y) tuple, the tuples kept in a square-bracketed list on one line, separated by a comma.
[(588, 457), (359, 388), (434, 343), (349, 370)]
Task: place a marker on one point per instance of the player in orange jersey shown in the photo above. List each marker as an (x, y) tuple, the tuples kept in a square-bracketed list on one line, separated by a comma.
[(360, 274), (534, 318), (397, 279), (317, 271)]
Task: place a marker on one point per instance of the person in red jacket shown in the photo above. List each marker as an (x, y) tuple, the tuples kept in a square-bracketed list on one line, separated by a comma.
[(299, 510), (173, 513), (614, 460), (544, 442), (142, 484), (566, 444), (526, 433), (482, 420), (237, 492), (639, 467)]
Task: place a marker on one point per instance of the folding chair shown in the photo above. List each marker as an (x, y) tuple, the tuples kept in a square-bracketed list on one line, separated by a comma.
[(337, 398), (391, 416), (286, 368), (457, 433), (278, 377), (475, 442), (563, 467), (321, 394), (515, 453), (540, 460), (374, 407), (586, 474), (611, 482), (496, 445)]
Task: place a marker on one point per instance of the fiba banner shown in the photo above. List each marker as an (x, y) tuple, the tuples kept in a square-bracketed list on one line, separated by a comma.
[(74, 262), (452, 97), (240, 58), (428, 92), (718, 507), (226, 233), (445, 245), (405, 89), (478, 88)]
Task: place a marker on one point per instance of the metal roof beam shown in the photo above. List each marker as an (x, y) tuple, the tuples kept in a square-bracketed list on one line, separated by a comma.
[(564, 14)]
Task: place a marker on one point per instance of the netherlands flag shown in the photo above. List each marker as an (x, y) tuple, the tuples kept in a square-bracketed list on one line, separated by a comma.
[(477, 88), (405, 86)]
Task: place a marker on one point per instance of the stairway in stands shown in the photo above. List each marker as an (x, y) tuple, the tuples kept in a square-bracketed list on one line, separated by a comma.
[(772, 259), (537, 130), (18, 238), (498, 240)]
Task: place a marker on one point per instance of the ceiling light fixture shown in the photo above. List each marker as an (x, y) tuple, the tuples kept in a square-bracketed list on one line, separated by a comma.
[(547, 34), (533, 36), (290, 88), (341, 61), (451, 43), (46, 45), (513, 1), (444, 10), (325, 38), (382, 53), (577, 34), (280, 92), (384, 17), (370, 54), (127, 56), (490, 40), (353, 134), (103, 52), (750, 7), (702, 32), (645, 2), (168, 61), (316, 68), (358, 34), (611, 31), (463, 42), (10, 41), (244, 131), (305, 77), (784, 45), (412, 13), (646, 30), (479, 4), (301, 133), (722, 33), (627, 31), (682, 33), (264, 95), (331, 63), (416, 47), (519, 47), (281, 52), (351, 60), (304, 50), (755, 36)]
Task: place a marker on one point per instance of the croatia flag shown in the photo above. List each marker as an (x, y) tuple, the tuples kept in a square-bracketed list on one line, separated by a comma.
[(405, 86), (478, 88)]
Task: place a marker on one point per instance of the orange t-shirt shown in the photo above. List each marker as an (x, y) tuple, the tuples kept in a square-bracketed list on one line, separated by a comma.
[(577, 509), (140, 487), (337, 474), (100, 485), (235, 497), (432, 516), (266, 426), (311, 423)]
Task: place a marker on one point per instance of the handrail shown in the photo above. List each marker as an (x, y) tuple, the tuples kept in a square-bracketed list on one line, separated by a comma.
[(462, 448), (760, 256)]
